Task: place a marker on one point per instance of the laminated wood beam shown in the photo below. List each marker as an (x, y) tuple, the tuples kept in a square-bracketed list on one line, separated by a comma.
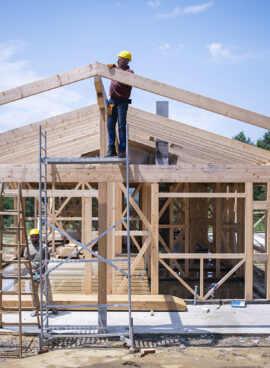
[(168, 127), (47, 84), (182, 95), (102, 103), (138, 173), (249, 242)]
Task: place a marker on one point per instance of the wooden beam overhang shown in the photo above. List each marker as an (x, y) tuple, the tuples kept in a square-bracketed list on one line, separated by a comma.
[(138, 173)]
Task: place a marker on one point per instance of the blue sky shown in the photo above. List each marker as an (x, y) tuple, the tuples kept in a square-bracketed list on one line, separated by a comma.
[(217, 48)]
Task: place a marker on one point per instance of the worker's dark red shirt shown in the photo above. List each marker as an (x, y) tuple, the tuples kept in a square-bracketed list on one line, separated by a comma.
[(120, 90)]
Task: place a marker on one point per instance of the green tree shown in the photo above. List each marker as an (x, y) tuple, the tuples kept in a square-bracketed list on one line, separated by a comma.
[(264, 142), (241, 137)]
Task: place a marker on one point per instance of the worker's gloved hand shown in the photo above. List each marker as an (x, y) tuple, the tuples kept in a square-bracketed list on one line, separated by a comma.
[(111, 66)]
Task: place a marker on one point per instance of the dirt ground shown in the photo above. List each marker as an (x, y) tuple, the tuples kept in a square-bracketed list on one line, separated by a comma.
[(170, 352)]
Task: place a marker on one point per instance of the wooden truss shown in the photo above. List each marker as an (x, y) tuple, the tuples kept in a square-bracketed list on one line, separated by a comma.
[(174, 207)]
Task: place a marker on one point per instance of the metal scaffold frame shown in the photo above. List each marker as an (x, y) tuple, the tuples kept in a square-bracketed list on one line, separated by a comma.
[(48, 331)]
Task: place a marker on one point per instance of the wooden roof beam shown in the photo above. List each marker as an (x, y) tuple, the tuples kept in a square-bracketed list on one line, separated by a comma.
[(182, 95), (47, 84), (138, 173)]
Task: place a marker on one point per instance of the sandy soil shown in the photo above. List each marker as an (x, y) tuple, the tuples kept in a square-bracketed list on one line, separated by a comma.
[(171, 353)]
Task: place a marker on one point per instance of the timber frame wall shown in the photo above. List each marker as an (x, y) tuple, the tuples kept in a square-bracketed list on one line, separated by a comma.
[(213, 192)]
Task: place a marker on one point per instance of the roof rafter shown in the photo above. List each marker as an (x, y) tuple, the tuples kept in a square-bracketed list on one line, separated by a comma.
[(137, 81)]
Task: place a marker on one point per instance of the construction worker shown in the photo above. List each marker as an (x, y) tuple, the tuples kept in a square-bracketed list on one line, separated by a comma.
[(35, 264), (117, 107)]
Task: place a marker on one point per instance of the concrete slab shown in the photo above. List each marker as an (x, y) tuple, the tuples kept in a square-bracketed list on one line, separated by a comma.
[(254, 319)]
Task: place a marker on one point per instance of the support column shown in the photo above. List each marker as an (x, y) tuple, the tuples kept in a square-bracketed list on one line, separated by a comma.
[(102, 251), (187, 230), (118, 217), (267, 238), (154, 242), (87, 237), (249, 242), (110, 236), (218, 229)]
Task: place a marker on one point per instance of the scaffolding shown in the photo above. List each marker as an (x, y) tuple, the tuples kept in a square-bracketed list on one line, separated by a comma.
[(47, 330)]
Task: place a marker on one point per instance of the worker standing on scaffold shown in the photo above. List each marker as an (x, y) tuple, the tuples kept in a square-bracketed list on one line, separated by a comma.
[(117, 107), (35, 264)]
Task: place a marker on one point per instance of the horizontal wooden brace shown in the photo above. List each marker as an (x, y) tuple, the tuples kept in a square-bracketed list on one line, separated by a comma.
[(201, 195), (132, 232), (54, 193), (260, 205), (202, 256), (138, 173)]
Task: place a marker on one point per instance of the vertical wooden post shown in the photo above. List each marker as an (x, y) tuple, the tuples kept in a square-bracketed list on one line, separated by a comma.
[(267, 238), (102, 101), (201, 277), (118, 214), (87, 237), (249, 242), (102, 251), (187, 229), (171, 230), (154, 242), (110, 236), (218, 229), (53, 219)]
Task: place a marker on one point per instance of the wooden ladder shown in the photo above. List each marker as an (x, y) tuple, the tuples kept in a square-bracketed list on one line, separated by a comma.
[(20, 234)]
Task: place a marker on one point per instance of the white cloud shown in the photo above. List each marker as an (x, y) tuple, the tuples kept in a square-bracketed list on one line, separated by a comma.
[(192, 9), (154, 3), (164, 49), (198, 8), (15, 73), (168, 49), (220, 53)]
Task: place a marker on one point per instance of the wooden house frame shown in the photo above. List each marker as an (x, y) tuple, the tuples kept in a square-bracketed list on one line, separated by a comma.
[(210, 185)]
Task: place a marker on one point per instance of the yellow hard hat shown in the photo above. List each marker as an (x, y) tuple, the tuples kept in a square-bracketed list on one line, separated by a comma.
[(125, 54), (34, 232)]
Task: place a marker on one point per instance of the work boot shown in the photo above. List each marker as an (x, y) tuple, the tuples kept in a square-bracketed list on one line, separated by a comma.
[(34, 313), (111, 153), (122, 154)]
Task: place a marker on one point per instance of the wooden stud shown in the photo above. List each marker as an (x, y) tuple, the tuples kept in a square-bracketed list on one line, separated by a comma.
[(154, 242), (249, 242), (267, 237)]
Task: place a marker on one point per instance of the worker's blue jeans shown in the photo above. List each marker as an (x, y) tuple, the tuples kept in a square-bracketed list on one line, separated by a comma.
[(119, 112)]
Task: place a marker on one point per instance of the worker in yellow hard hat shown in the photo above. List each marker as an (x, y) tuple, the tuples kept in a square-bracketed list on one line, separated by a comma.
[(118, 106), (35, 264)]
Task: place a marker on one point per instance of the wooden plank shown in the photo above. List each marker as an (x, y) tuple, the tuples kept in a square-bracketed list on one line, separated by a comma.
[(267, 243), (87, 215), (187, 229), (182, 95), (47, 84), (138, 173), (154, 242), (201, 278), (132, 232), (218, 229), (110, 236), (202, 255), (102, 103), (139, 302), (102, 243), (178, 133), (249, 242), (201, 195), (260, 205)]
